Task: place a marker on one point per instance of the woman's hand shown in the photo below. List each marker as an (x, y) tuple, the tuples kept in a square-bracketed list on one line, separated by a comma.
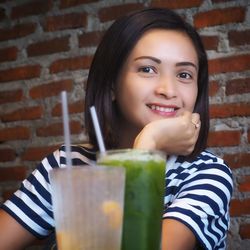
[(177, 135)]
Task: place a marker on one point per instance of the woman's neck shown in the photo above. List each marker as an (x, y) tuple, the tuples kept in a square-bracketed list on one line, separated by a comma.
[(125, 142), (126, 137)]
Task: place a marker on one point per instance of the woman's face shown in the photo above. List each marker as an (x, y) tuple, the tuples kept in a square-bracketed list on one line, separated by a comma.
[(158, 80)]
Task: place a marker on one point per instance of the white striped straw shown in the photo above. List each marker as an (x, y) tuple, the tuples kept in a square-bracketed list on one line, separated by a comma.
[(66, 127), (97, 130)]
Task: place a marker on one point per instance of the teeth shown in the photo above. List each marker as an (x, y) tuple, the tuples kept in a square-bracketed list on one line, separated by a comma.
[(162, 109)]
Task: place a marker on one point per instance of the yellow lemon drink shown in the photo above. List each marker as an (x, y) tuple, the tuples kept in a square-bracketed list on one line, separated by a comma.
[(88, 207)]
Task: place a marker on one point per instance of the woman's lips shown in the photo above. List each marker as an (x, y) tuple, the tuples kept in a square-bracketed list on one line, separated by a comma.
[(163, 110)]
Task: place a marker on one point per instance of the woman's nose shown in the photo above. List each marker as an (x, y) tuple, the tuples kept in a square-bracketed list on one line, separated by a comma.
[(166, 87)]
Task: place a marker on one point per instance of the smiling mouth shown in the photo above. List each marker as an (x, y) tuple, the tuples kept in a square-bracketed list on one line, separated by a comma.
[(162, 109)]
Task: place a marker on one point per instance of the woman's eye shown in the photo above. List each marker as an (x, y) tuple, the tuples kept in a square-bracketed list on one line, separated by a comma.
[(185, 75), (146, 70)]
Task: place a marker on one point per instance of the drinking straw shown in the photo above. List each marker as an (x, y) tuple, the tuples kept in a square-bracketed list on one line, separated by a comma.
[(66, 127), (97, 130)]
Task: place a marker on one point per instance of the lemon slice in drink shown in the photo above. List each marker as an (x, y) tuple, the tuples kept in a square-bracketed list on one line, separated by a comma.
[(113, 211)]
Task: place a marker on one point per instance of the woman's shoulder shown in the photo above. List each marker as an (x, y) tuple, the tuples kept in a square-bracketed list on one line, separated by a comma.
[(86, 149), (212, 160), (205, 157), (206, 163), (79, 153)]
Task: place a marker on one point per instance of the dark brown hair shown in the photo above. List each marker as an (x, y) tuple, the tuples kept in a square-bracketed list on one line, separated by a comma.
[(112, 53)]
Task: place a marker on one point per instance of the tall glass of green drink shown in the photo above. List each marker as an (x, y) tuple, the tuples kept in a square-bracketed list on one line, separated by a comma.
[(144, 195)]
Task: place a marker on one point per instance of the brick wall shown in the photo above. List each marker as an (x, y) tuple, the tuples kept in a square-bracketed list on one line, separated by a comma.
[(47, 46)]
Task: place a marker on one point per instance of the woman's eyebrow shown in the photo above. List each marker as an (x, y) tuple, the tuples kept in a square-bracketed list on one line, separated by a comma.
[(148, 57), (187, 64), (157, 60)]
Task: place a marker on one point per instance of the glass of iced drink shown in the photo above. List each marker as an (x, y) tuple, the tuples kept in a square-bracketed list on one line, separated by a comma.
[(88, 207), (144, 195)]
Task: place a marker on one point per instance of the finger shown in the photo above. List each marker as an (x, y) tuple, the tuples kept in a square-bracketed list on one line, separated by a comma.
[(196, 125), (195, 119)]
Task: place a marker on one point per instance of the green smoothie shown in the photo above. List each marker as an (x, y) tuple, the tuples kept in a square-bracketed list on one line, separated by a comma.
[(144, 196)]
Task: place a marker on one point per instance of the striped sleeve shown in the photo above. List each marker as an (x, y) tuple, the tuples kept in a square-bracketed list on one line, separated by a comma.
[(201, 200), (31, 205)]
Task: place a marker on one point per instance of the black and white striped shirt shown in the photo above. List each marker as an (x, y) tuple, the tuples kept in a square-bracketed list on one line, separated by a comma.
[(197, 194)]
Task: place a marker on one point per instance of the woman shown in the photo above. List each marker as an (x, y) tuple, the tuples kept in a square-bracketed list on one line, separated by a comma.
[(149, 84)]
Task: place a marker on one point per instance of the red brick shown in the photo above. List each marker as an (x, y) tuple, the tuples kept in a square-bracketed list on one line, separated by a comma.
[(229, 64), (12, 174), (15, 133), (76, 107), (26, 113), (90, 39), (76, 63), (210, 42), (7, 154), (238, 86), (229, 110), (55, 45), (31, 8), (244, 231), (113, 12), (18, 31), (240, 207), (38, 153), (224, 138), (237, 38), (50, 89), (67, 21), (177, 4), (237, 160), (219, 17), (213, 88), (20, 73), (8, 54), (11, 96), (67, 3), (244, 184), (56, 129)]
